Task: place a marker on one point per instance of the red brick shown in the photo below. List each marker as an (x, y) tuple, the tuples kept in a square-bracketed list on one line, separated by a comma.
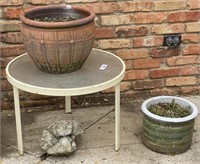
[(100, 8), (5, 61), (129, 64), (11, 37), (104, 33), (135, 6), (164, 72), (142, 18), (168, 28), (193, 27), (190, 38), (39, 2), (193, 4), (111, 36), (164, 52), (132, 53), (8, 95), (184, 16), (111, 20), (147, 41), (182, 60), (7, 105), (181, 81), (32, 96), (73, 1), (189, 70), (190, 90), (169, 5), (135, 95), (129, 31), (5, 85), (12, 13), (9, 25), (147, 84), (3, 74), (11, 2), (192, 49), (113, 43), (146, 63), (136, 74), (11, 50), (124, 86), (164, 91), (39, 103), (95, 44)]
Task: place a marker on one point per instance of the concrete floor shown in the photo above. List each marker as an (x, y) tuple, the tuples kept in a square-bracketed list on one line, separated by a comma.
[(97, 144)]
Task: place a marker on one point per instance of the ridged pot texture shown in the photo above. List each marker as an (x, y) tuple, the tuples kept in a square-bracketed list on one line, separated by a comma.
[(167, 138), (168, 135), (58, 47)]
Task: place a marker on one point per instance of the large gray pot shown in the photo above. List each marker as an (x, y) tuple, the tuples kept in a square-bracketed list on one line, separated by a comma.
[(168, 135)]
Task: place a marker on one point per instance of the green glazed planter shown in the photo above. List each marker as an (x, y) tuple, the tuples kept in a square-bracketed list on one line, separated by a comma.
[(168, 135)]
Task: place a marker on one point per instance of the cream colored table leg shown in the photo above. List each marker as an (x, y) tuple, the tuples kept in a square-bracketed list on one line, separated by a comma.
[(18, 120), (68, 104), (117, 117)]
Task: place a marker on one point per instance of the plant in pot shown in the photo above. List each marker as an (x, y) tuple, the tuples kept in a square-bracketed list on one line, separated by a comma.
[(58, 38), (168, 124)]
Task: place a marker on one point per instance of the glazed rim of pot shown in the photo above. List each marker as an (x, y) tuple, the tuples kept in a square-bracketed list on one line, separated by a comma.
[(28, 21), (154, 100)]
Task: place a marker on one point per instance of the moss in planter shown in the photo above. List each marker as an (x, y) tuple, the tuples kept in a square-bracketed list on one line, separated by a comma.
[(59, 19), (171, 109)]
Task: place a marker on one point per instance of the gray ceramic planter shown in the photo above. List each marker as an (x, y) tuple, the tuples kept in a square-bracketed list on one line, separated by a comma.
[(168, 135)]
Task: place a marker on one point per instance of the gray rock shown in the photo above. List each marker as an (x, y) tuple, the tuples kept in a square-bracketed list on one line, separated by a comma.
[(60, 138), (61, 128), (65, 145)]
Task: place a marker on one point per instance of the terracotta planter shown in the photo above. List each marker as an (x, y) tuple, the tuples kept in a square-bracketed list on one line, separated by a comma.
[(58, 47), (168, 135)]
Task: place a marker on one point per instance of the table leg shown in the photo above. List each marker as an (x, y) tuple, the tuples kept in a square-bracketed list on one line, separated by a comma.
[(68, 104), (117, 117), (18, 120)]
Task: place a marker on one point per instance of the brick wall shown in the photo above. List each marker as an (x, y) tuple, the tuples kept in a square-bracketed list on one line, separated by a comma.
[(133, 30)]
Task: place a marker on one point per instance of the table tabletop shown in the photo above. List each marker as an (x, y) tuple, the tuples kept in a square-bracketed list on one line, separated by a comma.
[(101, 70)]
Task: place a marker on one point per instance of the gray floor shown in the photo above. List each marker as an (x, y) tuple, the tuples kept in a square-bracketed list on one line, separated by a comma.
[(97, 144)]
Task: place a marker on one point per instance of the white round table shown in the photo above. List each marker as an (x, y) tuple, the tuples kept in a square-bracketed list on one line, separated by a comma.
[(101, 70)]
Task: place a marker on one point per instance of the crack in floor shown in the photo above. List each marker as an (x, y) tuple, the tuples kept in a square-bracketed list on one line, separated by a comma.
[(90, 125)]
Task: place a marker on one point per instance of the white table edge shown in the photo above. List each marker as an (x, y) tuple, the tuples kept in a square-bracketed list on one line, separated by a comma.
[(67, 93)]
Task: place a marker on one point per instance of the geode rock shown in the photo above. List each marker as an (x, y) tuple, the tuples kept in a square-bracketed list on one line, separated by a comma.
[(60, 138)]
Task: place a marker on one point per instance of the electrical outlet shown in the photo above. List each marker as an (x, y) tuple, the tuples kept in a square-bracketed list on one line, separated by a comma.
[(172, 40)]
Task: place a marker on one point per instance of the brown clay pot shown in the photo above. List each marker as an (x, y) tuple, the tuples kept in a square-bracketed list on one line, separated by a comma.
[(58, 47)]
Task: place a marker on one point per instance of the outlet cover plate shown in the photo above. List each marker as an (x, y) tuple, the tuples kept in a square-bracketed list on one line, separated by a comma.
[(172, 40)]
